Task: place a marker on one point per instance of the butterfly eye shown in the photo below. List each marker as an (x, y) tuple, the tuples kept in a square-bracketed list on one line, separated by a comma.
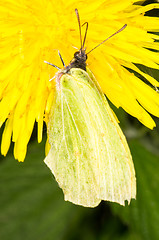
[(76, 54)]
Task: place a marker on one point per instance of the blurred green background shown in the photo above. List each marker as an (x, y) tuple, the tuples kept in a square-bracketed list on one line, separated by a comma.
[(32, 205)]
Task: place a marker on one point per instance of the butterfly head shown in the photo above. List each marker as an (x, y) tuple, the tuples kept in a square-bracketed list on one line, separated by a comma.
[(79, 60)]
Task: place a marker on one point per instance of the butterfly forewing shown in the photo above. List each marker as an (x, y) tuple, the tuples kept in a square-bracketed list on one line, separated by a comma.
[(89, 155)]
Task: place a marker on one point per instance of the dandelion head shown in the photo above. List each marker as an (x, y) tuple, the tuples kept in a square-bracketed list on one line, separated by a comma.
[(33, 31)]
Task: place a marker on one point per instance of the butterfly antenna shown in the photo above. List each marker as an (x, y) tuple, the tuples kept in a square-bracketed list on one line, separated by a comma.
[(84, 40), (79, 24), (61, 58), (121, 29)]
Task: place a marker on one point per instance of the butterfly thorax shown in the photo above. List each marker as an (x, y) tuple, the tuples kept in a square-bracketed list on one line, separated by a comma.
[(79, 61)]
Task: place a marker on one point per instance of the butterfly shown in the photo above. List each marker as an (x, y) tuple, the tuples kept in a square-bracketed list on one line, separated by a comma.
[(89, 155)]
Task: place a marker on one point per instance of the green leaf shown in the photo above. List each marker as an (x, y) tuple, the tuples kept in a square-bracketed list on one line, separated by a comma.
[(32, 205), (142, 215)]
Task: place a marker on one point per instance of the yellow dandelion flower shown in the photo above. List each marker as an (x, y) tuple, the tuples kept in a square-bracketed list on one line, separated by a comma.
[(33, 31)]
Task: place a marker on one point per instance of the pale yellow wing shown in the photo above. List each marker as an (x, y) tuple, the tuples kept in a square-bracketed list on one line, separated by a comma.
[(89, 155)]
